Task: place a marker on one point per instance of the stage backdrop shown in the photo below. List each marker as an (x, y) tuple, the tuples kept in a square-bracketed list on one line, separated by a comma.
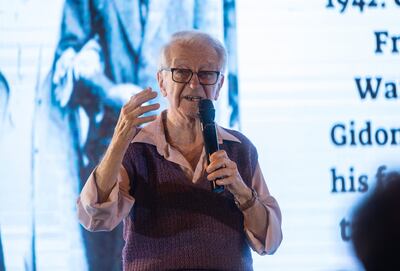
[(318, 94)]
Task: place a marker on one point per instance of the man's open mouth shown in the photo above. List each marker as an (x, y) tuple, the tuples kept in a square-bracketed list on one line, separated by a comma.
[(193, 98)]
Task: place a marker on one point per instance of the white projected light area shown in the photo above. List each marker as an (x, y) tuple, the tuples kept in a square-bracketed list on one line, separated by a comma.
[(319, 98)]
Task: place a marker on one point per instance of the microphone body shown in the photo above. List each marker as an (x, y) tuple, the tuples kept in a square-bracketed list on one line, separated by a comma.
[(207, 115)]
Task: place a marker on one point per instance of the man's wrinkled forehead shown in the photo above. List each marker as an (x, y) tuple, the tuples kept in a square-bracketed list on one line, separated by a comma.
[(192, 54), (210, 64)]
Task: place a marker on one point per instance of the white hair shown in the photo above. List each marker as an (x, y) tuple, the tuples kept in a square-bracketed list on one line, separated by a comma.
[(192, 37)]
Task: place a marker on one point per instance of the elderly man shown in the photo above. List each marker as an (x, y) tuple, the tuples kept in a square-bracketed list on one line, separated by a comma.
[(157, 178)]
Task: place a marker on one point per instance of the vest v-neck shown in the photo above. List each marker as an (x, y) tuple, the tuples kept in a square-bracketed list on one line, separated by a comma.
[(154, 134)]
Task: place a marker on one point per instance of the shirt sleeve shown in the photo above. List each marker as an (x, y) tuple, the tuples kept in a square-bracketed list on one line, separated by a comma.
[(273, 237), (105, 216)]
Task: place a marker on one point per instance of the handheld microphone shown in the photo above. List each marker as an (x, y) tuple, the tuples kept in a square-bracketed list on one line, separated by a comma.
[(207, 115)]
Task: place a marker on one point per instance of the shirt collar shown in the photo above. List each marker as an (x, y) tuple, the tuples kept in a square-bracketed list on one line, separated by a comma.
[(153, 133)]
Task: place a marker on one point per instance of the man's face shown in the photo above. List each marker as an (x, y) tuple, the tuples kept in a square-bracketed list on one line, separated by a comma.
[(184, 97)]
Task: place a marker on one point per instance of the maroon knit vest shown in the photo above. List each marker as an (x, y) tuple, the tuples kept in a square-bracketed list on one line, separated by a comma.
[(176, 224)]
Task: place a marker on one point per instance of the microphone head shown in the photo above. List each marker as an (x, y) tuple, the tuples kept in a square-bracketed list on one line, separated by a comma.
[(206, 111)]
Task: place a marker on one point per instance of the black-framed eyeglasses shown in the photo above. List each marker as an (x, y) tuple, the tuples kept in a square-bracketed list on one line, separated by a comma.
[(185, 75)]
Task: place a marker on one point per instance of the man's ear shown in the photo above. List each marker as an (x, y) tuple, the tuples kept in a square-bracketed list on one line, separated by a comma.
[(161, 82), (219, 86)]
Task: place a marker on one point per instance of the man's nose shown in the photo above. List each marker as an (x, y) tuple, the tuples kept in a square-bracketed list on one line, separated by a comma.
[(194, 81)]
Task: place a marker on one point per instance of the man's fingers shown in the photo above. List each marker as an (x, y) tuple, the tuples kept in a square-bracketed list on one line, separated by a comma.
[(144, 109), (140, 98), (140, 111), (220, 173), (216, 164), (127, 125), (218, 155), (142, 120), (130, 119), (220, 162)]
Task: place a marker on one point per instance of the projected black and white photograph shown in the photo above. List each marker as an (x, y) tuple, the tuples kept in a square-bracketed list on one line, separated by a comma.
[(199, 135)]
